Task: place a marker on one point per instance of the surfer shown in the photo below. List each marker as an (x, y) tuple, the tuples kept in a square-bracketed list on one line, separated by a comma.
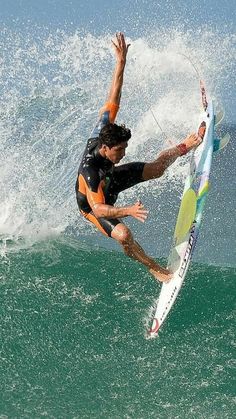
[(100, 181)]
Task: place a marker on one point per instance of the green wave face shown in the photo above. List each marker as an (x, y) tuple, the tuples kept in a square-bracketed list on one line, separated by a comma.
[(73, 338)]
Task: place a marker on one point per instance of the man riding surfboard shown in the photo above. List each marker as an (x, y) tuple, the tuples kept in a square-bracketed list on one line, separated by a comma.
[(100, 181)]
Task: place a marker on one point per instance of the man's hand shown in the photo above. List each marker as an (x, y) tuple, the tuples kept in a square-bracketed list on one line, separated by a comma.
[(120, 47), (138, 211), (121, 50)]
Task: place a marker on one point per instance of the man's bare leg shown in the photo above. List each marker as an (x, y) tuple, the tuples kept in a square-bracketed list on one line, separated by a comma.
[(166, 158), (135, 251), (132, 249)]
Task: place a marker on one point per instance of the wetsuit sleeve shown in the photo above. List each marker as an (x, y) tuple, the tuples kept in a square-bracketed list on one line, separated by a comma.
[(107, 114), (91, 186)]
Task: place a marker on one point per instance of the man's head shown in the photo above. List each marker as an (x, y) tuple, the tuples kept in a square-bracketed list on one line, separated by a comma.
[(112, 141)]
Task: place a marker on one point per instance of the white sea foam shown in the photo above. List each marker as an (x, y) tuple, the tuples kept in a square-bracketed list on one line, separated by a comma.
[(53, 88)]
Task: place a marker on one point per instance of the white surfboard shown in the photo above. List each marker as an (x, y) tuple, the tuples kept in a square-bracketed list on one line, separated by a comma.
[(190, 213)]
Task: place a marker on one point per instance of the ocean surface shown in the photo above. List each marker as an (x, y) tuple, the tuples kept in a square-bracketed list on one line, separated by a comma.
[(74, 310)]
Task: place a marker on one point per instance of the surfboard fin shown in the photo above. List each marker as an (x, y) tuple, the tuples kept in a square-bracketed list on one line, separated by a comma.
[(219, 117), (220, 143)]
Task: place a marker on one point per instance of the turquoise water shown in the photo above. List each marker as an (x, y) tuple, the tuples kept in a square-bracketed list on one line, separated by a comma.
[(73, 338), (74, 310)]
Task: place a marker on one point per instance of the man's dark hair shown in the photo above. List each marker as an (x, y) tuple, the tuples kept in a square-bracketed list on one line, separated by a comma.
[(112, 135)]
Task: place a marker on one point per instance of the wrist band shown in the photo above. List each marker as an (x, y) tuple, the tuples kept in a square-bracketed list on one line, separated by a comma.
[(182, 148)]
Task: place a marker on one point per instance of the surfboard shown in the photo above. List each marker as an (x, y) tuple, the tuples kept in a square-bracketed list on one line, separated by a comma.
[(190, 212)]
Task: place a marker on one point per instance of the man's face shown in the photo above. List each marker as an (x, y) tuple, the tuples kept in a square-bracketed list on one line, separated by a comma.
[(116, 153)]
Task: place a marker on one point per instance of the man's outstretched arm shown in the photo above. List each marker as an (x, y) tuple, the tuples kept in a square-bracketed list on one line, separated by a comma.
[(136, 210), (109, 110), (121, 49)]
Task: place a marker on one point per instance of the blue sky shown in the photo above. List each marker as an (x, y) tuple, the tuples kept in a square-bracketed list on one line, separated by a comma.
[(130, 15)]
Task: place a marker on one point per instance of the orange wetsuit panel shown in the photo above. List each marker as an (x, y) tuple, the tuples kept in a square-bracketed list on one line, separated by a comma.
[(95, 221), (93, 197), (112, 108), (95, 173)]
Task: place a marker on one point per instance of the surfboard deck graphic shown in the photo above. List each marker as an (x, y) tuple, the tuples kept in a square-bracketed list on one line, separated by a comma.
[(190, 212)]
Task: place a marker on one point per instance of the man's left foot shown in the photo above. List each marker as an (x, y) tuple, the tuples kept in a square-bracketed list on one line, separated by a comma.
[(162, 276)]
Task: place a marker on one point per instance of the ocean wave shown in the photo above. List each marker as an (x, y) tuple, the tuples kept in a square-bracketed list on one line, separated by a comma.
[(54, 85)]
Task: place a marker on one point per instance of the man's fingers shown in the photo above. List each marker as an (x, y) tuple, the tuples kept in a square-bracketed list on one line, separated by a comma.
[(121, 42), (120, 38), (143, 219), (114, 44), (143, 211), (118, 41), (143, 214)]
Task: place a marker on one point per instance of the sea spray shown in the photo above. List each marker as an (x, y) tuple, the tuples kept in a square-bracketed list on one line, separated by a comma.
[(53, 86)]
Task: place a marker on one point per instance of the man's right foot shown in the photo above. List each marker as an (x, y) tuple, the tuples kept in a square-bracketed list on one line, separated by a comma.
[(162, 276), (201, 130)]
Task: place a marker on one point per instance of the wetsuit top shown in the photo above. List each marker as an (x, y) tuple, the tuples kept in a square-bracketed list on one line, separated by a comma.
[(95, 171)]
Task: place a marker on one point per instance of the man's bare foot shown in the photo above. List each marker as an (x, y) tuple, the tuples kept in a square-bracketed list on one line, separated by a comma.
[(201, 130), (164, 275), (193, 141)]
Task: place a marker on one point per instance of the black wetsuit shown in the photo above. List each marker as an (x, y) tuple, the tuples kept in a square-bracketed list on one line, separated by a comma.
[(99, 181)]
